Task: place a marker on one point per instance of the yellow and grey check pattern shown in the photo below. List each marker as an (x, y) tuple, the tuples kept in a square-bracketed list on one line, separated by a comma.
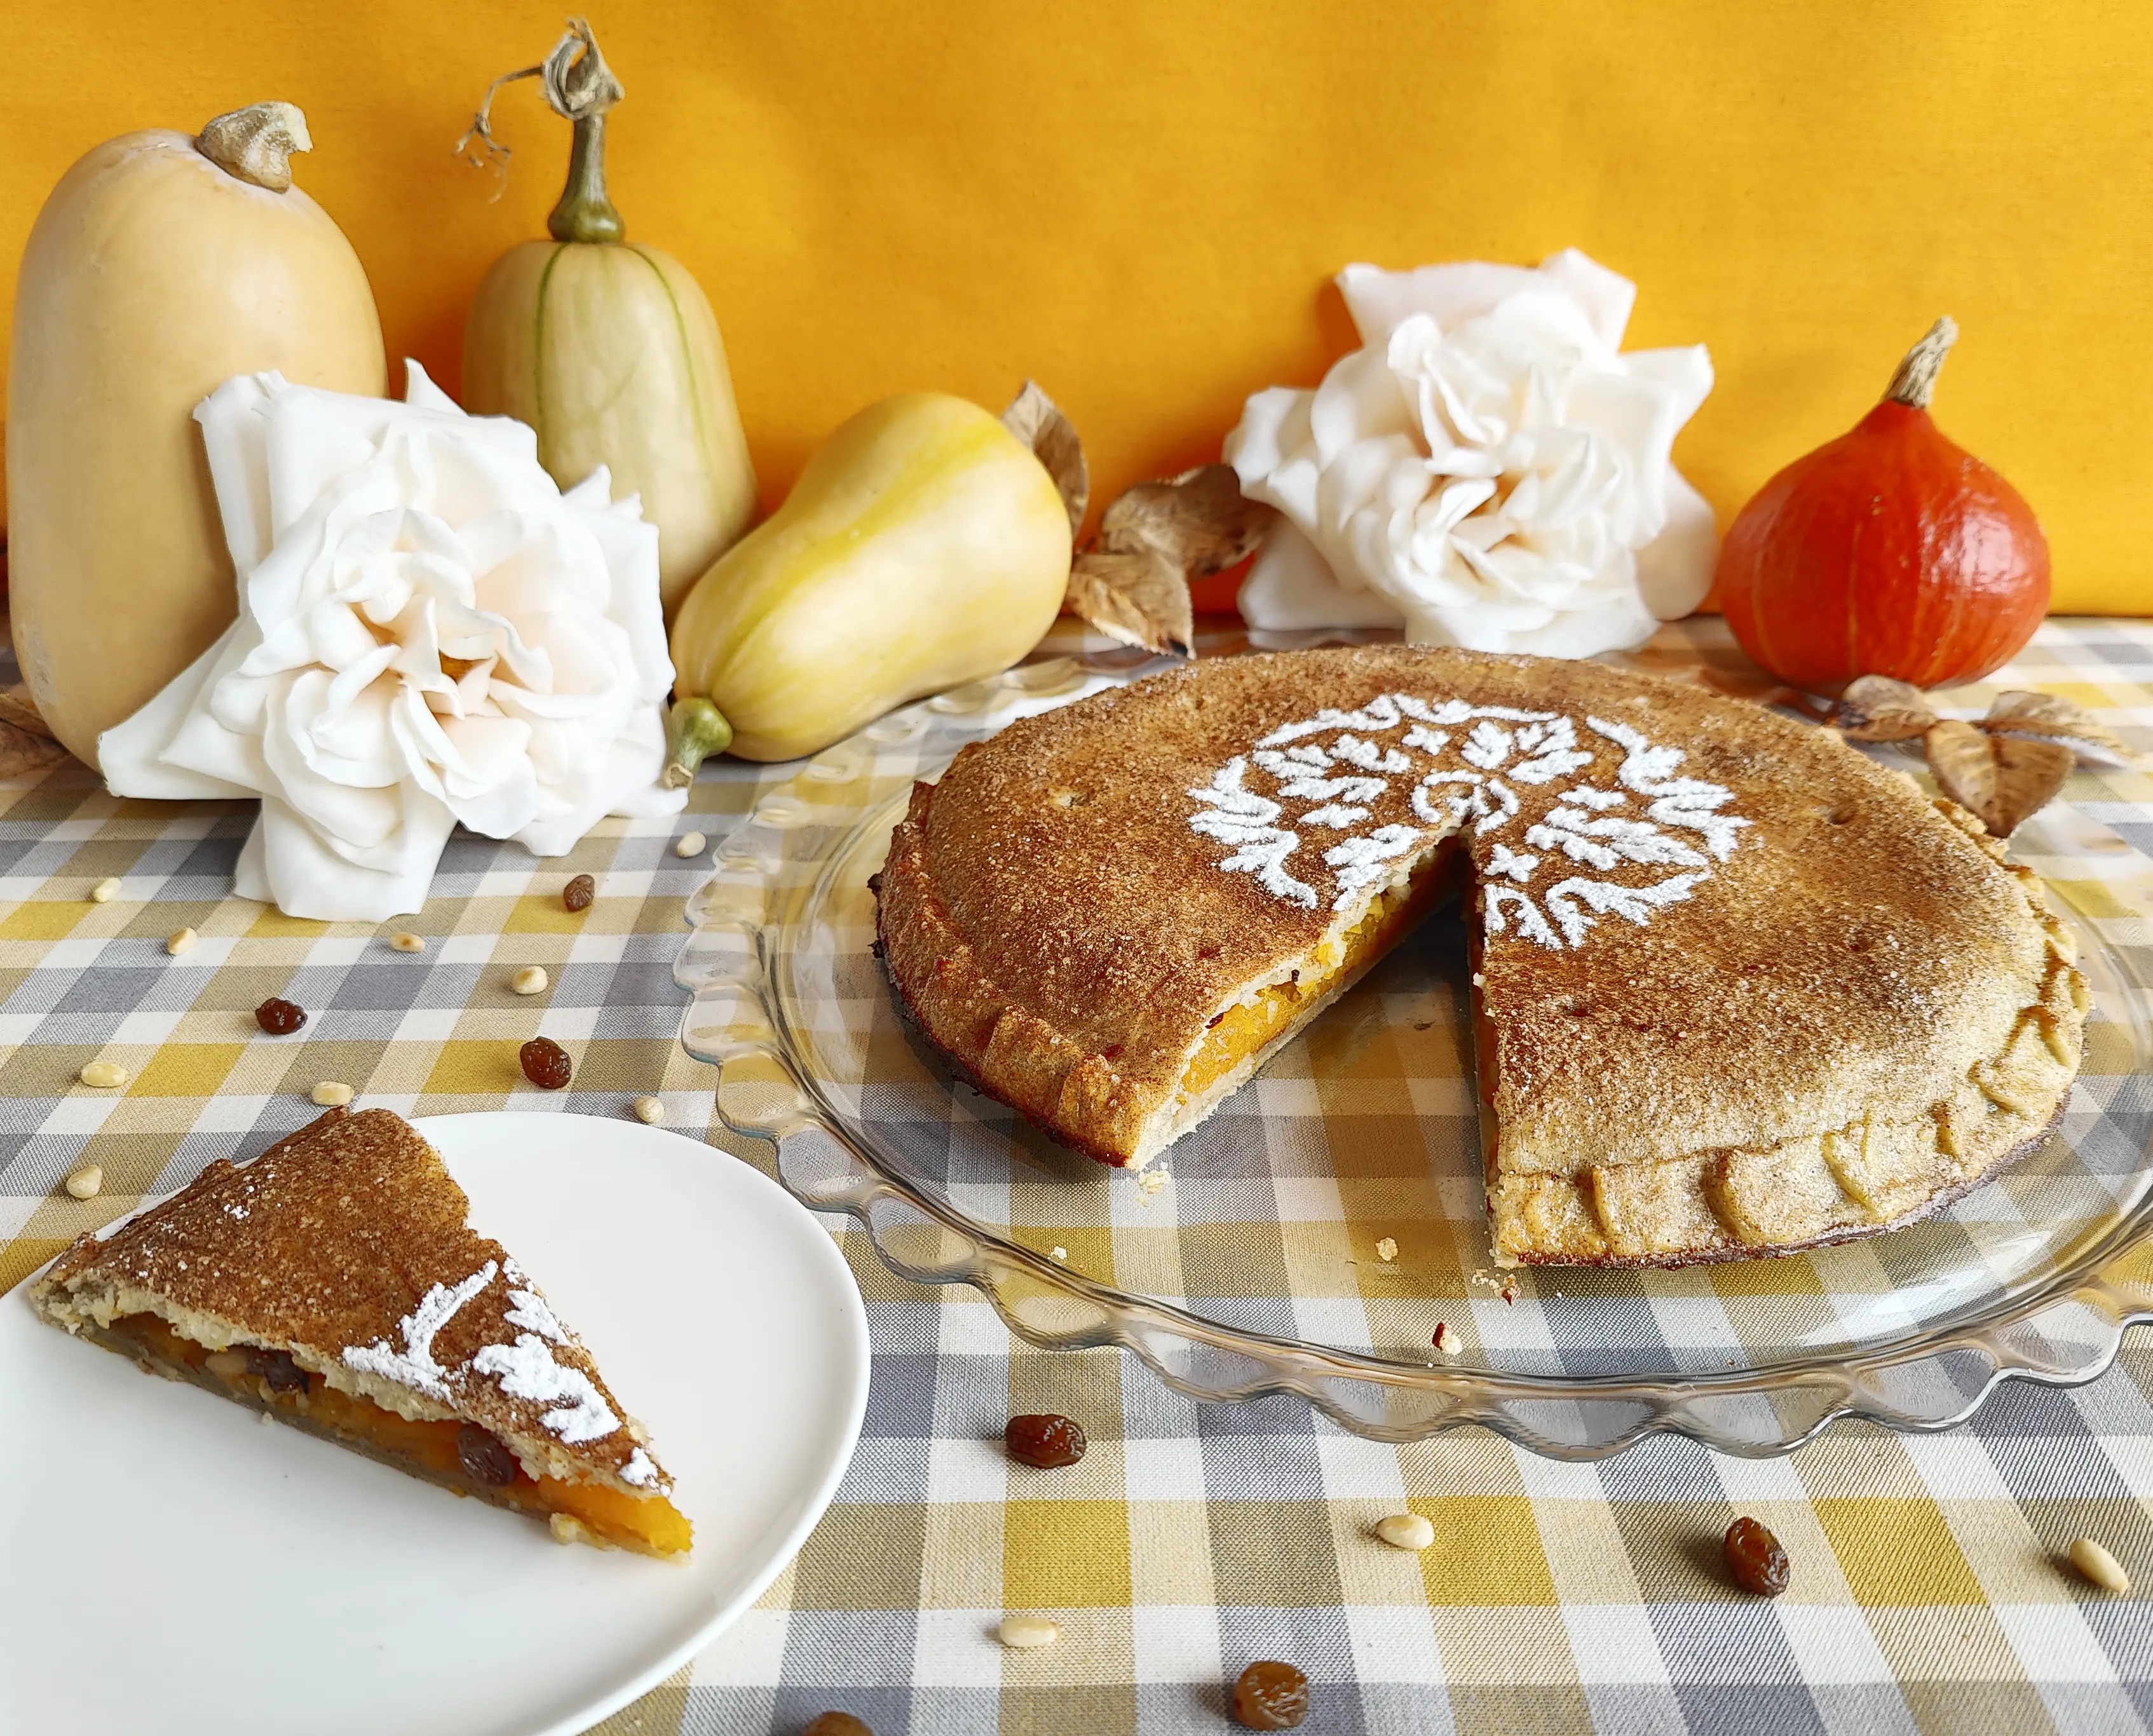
[(1929, 1592)]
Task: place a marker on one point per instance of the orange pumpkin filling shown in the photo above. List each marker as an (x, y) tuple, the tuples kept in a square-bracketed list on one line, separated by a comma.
[(1245, 1028), (649, 1524)]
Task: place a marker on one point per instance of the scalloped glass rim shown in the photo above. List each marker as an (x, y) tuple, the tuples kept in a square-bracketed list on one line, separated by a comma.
[(2061, 1329)]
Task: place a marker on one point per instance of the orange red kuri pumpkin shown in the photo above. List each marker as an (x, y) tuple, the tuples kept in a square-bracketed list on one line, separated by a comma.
[(1887, 552)]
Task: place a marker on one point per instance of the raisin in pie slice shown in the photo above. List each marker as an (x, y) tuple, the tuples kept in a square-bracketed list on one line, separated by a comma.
[(1739, 988), (333, 1283)]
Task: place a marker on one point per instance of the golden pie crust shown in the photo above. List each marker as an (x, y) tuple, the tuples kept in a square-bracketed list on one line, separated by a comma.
[(291, 1284), (1850, 1011)]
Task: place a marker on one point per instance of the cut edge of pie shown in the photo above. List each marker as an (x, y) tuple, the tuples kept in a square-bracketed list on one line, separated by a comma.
[(997, 1004), (1258, 1019), (1268, 1012), (108, 1291), (1700, 1208)]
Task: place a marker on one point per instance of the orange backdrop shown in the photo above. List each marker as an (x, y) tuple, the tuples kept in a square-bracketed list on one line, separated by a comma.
[(1139, 202)]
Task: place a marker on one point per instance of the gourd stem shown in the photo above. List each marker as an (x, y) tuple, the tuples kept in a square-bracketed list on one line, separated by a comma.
[(1915, 382), (585, 213), (694, 730), (255, 144), (579, 87)]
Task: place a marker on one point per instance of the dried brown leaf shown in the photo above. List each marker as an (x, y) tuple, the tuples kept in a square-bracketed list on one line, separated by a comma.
[(1200, 518), (1137, 597), (1037, 420), (22, 753), (2030, 775), (2050, 717), (1964, 767), (1133, 584), (2024, 705), (1875, 708), (2001, 779), (18, 708)]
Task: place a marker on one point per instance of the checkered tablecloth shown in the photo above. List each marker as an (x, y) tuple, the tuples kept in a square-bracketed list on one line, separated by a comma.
[(1929, 1593)]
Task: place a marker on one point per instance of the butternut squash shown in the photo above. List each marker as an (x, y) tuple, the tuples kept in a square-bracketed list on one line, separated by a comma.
[(610, 350), (923, 547), (160, 267)]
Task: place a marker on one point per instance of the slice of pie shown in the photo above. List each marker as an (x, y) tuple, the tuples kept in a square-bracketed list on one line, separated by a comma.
[(1739, 988), (333, 1285)]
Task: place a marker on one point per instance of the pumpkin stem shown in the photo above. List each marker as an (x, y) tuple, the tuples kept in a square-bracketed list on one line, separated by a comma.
[(579, 87), (1915, 382), (255, 144)]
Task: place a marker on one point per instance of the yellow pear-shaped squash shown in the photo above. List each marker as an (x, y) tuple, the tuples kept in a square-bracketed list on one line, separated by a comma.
[(923, 547), (610, 350), (161, 266)]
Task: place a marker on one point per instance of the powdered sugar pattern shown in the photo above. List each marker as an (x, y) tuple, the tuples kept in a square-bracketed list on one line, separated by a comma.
[(1366, 861), (414, 1366), (1236, 816), (527, 1370), (530, 1313), (1474, 762)]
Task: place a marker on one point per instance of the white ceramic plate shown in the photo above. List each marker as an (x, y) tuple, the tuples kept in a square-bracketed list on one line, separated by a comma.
[(168, 1564)]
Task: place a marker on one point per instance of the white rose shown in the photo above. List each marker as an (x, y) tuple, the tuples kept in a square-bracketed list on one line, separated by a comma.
[(430, 631), (1489, 471)]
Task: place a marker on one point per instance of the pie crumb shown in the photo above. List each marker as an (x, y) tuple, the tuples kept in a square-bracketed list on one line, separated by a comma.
[(1387, 1248)]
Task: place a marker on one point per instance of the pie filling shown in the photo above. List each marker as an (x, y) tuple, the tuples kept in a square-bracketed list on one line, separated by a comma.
[(1251, 1025), (460, 1456), (1806, 1191)]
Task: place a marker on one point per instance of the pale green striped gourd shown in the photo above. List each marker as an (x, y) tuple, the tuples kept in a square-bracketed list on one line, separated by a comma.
[(609, 349)]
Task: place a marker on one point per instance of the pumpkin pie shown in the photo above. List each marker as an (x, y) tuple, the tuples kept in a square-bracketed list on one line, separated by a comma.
[(333, 1285), (1738, 990)]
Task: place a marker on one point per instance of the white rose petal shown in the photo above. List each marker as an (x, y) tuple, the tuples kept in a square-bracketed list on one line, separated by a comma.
[(1488, 471), (430, 631)]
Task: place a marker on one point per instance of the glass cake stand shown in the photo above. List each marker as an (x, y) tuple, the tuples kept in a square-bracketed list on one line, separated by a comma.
[(1311, 1236)]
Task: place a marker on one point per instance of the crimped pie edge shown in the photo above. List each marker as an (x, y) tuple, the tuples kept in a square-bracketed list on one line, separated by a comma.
[(1071, 1094)]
